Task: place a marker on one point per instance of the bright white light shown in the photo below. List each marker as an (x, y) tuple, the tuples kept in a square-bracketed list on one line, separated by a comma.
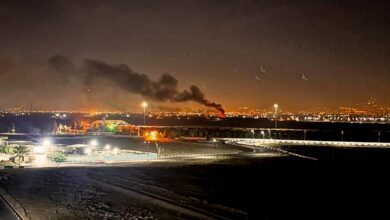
[(93, 142), (107, 147), (39, 149), (115, 150), (144, 104), (127, 115), (40, 160), (64, 115), (87, 151), (276, 105), (46, 142), (57, 115)]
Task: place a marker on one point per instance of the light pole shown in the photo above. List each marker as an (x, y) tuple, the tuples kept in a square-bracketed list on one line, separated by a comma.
[(276, 115), (262, 133), (215, 145), (253, 134), (144, 105)]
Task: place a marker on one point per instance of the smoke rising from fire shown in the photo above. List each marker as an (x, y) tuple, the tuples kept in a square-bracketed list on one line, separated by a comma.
[(63, 66), (195, 94), (164, 89), (5, 65)]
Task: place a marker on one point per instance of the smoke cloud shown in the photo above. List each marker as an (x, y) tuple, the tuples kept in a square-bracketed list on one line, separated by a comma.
[(63, 66), (5, 65), (195, 94), (164, 89)]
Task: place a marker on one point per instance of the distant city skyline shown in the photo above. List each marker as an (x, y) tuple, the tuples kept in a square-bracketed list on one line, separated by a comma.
[(300, 54), (364, 108)]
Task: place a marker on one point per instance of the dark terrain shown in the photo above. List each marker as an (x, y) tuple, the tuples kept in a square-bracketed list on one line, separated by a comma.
[(342, 186)]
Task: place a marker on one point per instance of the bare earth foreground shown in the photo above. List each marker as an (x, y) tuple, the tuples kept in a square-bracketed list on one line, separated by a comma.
[(245, 186), (163, 190)]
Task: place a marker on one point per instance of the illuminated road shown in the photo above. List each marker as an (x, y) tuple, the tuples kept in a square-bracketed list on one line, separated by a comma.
[(280, 142)]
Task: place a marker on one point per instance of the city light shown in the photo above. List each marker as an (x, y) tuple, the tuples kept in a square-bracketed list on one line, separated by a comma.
[(276, 115), (111, 127), (40, 160), (46, 142), (93, 142), (115, 150), (40, 149), (107, 147), (87, 151), (151, 136), (144, 105)]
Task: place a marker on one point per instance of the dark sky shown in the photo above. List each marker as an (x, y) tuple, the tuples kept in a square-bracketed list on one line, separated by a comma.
[(342, 47)]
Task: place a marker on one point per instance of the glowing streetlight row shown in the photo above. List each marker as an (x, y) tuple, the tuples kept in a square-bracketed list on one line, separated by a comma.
[(107, 147)]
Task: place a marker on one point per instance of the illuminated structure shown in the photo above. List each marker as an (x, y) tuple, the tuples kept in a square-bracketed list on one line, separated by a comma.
[(112, 126), (144, 105), (276, 115), (107, 123), (151, 136)]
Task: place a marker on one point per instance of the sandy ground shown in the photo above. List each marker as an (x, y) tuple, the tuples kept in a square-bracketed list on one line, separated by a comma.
[(65, 194), (247, 186), (172, 147), (121, 191), (137, 191)]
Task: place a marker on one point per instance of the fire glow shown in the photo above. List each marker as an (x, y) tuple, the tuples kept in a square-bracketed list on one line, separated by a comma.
[(151, 136)]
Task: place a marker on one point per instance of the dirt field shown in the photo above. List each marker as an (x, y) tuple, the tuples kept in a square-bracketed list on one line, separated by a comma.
[(245, 186), (163, 190)]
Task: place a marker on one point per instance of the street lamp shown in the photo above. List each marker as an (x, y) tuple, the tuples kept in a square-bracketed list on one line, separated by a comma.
[(46, 142), (93, 142), (215, 145), (276, 114), (144, 105)]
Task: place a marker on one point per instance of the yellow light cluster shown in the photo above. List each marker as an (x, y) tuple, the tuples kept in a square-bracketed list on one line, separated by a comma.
[(151, 136)]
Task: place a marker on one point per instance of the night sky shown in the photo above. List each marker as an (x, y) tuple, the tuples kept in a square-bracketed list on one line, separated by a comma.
[(239, 53)]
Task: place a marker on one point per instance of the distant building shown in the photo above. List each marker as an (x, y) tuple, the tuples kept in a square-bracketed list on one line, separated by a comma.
[(112, 126)]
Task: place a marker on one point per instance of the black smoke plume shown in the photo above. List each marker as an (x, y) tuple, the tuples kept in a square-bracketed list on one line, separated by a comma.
[(5, 65), (63, 66), (198, 96), (164, 89)]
